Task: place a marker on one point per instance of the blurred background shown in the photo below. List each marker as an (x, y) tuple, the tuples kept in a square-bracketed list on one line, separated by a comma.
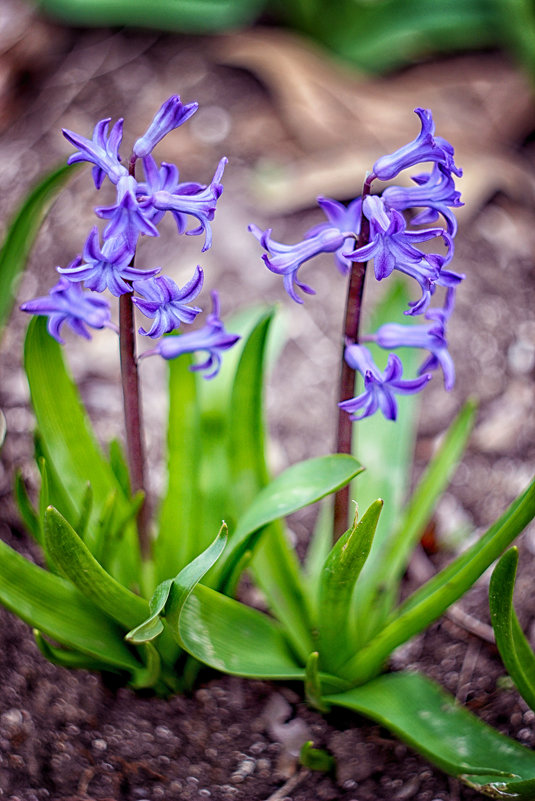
[(302, 96)]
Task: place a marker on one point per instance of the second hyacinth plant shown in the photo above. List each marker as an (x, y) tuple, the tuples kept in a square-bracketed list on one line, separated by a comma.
[(146, 587)]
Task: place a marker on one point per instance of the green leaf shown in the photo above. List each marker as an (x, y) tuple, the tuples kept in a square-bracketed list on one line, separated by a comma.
[(55, 607), (421, 714), (246, 426), (183, 585), (21, 234), (316, 758), (65, 657), (300, 485), (313, 689), (398, 547), (337, 583), (152, 626), (65, 436), (431, 600), (29, 516), (76, 561), (178, 530), (119, 465), (514, 649), (186, 16)]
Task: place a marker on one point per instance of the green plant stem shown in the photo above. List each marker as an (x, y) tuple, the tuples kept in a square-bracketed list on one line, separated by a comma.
[(132, 415), (344, 440)]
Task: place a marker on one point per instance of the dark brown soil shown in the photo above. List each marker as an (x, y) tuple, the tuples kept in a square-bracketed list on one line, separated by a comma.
[(74, 735)]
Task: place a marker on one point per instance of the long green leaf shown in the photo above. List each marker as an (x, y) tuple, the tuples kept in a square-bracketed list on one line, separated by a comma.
[(66, 657), (514, 649), (187, 16), (338, 578), (377, 596), (431, 600), (68, 443), (22, 232), (54, 606), (177, 539), (75, 560), (298, 486), (419, 712), (246, 429), (232, 637)]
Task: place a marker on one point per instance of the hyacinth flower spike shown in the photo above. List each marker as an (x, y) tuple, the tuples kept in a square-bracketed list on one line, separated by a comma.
[(127, 217), (106, 267), (188, 199), (379, 387), (426, 147), (435, 193), (68, 303), (162, 300), (101, 150), (211, 339), (168, 117)]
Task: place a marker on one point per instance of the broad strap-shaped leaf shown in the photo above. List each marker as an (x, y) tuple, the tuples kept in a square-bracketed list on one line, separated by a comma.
[(22, 232), (152, 626), (75, 560), (55, 607), (300, 485), (67, 441), (186, 16), (380, 587), (246, 426), (421, 714), (514, 649), (431, 600), (170, 596), (177, 540), (66, 657), (231, 637), (29, 516), (337, 582)]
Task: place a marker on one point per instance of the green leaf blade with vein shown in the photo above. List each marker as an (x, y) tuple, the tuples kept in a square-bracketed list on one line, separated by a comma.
[(430, 601), (180, 514), (514, 649), (398, 547), (55, 607), (22, 232), (421, 714), (77, 563), (298, 486), (68, 443), (338, 578)]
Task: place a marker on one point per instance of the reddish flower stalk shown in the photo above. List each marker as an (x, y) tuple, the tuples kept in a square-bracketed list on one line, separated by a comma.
[(345, 434)]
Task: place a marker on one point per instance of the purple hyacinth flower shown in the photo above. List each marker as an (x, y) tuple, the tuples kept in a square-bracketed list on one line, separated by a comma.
[(435, 192), (127, 217), (286, 260), (212, 339), (107, 267), (430, 337), (101, 150), (392, 248), (68, 303), (426, 147), (162, 299), (189, 199), (346, 220), (169, 116), (380, 388)]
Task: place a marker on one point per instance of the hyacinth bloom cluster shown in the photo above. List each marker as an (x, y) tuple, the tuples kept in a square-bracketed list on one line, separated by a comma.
[(392, 244), (107, 259)]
